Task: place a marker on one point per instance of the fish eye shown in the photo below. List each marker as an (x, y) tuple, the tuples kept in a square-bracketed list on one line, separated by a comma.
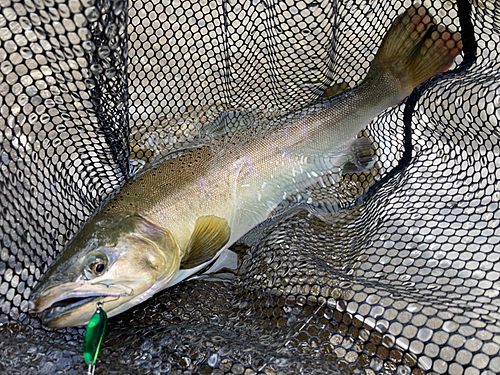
[(97, 265), (98, 268)]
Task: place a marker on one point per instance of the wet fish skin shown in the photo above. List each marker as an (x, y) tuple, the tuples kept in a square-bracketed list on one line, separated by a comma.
[(164, 225)]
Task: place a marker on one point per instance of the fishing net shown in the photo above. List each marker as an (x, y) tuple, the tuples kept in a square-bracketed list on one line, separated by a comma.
[(394, 270)]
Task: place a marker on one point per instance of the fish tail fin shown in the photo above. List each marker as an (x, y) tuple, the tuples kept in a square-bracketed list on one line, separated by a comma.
[(415, 49)]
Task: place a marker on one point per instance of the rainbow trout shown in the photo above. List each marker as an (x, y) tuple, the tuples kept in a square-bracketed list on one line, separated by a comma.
[(173, 219)]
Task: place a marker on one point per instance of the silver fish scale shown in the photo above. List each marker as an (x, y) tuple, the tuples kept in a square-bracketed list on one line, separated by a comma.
[(369, 273)]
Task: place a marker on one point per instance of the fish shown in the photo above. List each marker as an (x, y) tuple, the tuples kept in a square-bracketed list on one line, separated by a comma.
[(167, 223)]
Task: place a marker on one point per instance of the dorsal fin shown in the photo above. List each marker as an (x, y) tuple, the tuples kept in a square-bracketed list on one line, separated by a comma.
[(210, 234)]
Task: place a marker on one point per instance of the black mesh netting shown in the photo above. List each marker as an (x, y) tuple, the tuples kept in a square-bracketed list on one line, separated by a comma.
[(394, 270)]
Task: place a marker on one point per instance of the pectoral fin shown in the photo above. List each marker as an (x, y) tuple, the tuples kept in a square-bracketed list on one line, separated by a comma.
[(210, 234), (359, 158)]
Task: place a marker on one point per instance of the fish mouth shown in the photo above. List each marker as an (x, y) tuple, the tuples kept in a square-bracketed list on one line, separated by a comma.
[(71, 303), (76, 309), (70, 308), (57, 304), (67, 304)]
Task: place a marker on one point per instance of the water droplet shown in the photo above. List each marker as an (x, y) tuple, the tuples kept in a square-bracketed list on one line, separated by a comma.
[(496, 196), (96, 69), (213, 360), (469, 117), (103, 52), (415, 254), (376, 364), (92, 14), (26, 53), (40, 33), (45, 118), (496, 101), (377, 311), (6, 67), (110, 73), (111, 31), (118, 7), (386, 259), (88, 46), (90, 83), (403, 370)]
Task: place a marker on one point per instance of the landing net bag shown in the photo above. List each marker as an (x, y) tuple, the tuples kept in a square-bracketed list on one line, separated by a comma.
[(394, 270)]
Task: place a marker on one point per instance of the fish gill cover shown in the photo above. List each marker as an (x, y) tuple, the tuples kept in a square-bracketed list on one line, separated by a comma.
[(392, 270)]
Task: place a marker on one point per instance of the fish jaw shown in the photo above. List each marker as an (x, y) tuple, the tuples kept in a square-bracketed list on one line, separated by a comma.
[(46, 298), (73, 304)]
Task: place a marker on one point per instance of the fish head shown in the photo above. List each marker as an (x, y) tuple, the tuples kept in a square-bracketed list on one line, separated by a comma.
[(118, 259)]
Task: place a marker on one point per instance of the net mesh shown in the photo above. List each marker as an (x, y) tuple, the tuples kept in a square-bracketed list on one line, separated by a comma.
[(395, 270)]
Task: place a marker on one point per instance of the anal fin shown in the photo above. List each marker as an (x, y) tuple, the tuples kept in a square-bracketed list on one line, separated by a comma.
[(210, 235)]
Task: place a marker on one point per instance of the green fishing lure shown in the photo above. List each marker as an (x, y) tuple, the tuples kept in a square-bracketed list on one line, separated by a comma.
[(94, 336)]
